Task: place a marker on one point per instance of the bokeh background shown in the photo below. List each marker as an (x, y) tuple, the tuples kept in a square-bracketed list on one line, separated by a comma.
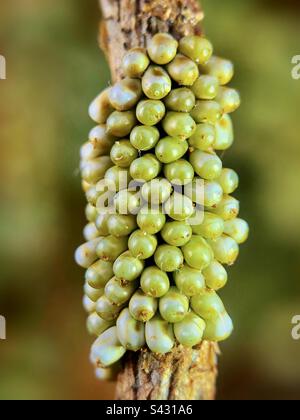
[(54, 69)]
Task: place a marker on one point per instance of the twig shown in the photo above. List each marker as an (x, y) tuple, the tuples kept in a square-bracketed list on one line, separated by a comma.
[(183, 374)]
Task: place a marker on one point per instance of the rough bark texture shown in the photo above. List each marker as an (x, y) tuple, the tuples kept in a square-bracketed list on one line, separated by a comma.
[(183, 374), (129, 23)]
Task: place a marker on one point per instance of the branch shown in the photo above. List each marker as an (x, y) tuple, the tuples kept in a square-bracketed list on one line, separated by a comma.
[(183, 374), (129, 23)]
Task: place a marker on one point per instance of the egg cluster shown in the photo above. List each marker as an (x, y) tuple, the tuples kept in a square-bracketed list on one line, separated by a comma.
[(162, 220)]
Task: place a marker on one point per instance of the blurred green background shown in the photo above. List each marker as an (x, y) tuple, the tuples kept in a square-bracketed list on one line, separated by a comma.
[(54, 69)]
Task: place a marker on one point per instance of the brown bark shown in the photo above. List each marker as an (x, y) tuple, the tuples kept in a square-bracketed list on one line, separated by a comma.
[(129, 23), (183, 374)]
